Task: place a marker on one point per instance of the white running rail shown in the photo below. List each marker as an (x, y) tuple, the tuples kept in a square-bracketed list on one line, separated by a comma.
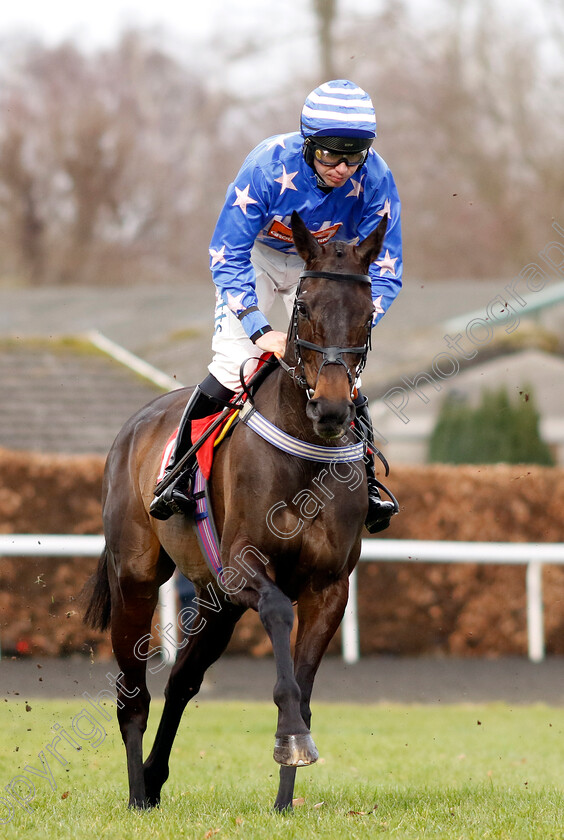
[(86, 545), (532, 555)]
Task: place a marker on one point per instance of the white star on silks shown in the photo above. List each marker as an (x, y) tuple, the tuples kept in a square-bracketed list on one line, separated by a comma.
[(387, 264), (357, 188), (243, 198), (278, 141), (286, 180), (235, 304), (386, 209), (217, 256), (377, 306)]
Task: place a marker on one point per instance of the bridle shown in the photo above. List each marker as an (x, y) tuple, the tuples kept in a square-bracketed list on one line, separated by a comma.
[(331, 355)]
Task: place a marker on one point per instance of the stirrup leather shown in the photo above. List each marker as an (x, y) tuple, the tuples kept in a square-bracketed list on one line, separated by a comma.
[(389, 493)]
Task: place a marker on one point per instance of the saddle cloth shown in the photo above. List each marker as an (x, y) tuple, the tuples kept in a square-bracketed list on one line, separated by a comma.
[(198, 428), (205, 452)]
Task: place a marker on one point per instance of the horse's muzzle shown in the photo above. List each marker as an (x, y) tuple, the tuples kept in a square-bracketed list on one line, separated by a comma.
[(330, 420)]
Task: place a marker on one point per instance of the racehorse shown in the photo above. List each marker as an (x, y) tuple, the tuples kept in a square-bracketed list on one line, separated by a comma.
[(289, 525)]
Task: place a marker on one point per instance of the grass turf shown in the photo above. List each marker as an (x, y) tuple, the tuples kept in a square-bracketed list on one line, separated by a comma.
[(401, 771)]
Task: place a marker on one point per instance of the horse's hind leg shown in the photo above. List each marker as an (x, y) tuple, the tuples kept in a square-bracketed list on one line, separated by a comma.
[(319, 615), (133, 605), (211, 634)]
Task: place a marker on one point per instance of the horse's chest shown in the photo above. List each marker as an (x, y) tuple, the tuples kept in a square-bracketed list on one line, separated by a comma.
[(326, 504), (319, 534), (324, 550)]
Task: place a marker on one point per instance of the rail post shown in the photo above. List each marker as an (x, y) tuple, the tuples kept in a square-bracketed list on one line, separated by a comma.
[(349, 628), (168, 611), (535, 619)]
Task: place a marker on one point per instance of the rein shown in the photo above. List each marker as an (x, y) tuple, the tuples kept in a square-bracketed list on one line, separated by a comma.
[(331, 355)]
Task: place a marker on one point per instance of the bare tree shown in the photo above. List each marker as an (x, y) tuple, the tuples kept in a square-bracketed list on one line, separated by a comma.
[(325, 12), (24, 227), (104, 171), (113, 165), (471, 119)]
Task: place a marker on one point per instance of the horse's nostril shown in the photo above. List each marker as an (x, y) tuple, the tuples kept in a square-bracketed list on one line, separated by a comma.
[(312, 410), (329, 414)]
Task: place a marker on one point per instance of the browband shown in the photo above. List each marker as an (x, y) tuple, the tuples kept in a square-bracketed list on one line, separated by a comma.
[(334, 275)]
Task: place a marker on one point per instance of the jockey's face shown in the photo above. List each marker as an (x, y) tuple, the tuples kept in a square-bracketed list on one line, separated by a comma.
[(334, 176)]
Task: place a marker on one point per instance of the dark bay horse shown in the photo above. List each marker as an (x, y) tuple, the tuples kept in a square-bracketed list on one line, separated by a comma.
[(290, 528)]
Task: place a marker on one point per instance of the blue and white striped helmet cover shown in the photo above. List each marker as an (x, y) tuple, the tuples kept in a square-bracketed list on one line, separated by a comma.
[(338, 108)]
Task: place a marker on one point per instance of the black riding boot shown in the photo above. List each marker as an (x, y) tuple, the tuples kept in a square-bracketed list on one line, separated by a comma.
[(379, 511), (207, 398)]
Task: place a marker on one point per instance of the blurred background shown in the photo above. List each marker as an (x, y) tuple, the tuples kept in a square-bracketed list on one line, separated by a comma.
[(120, 129)]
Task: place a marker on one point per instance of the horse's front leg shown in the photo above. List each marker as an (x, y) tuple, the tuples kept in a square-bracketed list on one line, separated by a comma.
[(319, 615), (293, 745)]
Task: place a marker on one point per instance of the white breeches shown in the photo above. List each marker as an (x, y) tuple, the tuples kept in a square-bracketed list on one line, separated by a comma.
[(276, 274)]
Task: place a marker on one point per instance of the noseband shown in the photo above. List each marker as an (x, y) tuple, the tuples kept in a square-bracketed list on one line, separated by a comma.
[(331, 355)]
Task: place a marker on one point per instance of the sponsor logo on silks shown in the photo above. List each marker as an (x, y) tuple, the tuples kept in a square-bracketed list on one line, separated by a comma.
[(220, 313), (278, 230)]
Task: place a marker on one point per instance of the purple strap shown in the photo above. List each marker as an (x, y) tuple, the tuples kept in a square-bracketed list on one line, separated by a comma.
[(205, 527)]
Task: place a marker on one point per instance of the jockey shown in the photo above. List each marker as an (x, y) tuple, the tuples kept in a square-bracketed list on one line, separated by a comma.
[(341, 188)]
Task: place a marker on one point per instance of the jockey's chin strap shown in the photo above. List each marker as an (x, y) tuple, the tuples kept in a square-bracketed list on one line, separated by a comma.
[(331, 355)]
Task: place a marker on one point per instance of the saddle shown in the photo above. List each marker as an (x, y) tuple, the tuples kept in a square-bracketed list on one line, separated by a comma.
[(204, 523), (198, 428)]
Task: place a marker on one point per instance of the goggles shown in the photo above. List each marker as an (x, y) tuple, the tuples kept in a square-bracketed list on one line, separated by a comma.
[(328, 157)]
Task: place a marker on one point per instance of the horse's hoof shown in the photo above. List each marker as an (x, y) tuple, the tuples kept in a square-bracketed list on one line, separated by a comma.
[(153, 800), (153, 785), (295, 750), (139, 805)]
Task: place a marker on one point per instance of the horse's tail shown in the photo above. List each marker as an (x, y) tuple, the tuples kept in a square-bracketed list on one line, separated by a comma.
[(97, 591)]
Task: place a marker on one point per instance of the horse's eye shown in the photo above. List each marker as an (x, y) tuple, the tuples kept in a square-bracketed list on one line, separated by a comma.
[(302, 309)]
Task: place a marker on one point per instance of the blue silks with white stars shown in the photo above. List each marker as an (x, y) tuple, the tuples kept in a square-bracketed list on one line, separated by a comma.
[(275, 180)]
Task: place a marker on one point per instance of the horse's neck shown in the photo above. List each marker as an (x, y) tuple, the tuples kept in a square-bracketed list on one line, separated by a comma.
[(282, 402)]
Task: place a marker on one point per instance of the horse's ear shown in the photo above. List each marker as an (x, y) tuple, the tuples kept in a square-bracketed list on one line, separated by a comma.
[(307, 245), (368, 250)]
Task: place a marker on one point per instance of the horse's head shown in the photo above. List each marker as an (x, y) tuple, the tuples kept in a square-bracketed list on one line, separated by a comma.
[(330, 331)]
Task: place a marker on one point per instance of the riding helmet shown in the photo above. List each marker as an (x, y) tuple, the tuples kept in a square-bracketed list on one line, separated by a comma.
[(336, 110)]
